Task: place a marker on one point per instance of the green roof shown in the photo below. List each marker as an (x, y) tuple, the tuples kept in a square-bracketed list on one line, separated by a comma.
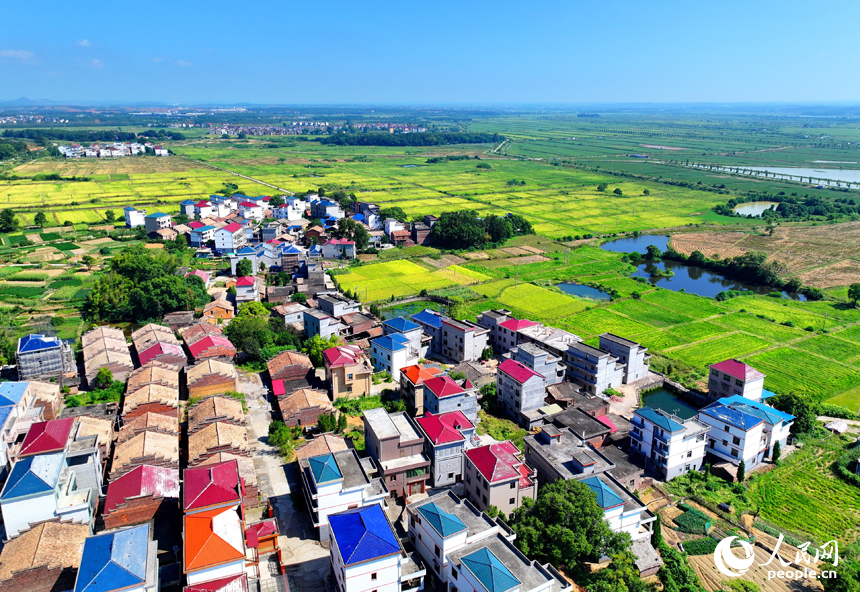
[(324, 468), (491, 572), (444, 523)]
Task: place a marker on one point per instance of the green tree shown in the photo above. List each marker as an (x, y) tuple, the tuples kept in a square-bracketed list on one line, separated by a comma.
[(395, 212), (565, 526), (854, 293), (341, 423), (618, 191), (299, 297), (803, 410), (88, 260), (847, 578), (40, 219), (742, 471), (244, 268), (777, 451), (601, 187), (355, 231), (657, 533), (276, 201), (316, 345), (110, 215), (103, 379), (646, 192), (621, 575), (8, 221), (653, 253), (253, 309), (251, 335), (696, 258), (326, 422)]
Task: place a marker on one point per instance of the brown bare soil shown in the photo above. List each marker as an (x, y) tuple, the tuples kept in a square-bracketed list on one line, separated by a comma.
[(515, 251), (476, 255), (532, 249), (712, 579)]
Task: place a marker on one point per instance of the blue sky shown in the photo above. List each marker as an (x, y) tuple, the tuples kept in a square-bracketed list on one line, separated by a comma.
[(432, 52)]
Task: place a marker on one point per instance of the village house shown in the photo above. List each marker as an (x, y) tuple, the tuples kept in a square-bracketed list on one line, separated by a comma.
[(495, 475), (393, 442), (666, 444), (336, 481), (200, 237), (210, 487), (134, 217), (157, 343), (247, 289), (633, 357), (446, 436), (520, 392), (443, 394), (592, 369), (43, 559), (153, 373), (412, 379), (121, 560), (418, 344), (339, 248), (251, 211), (559, 454), (217, 437), (337, 305), (140, 495), (218, 310), (214, 545), (292, 313), (366, 553), (212, 347), (539, 360), (146, 448), (203, 209), (304, 407), (319, 323), (392, 352), (211, 377), (157, 221), (105, 347), (231, 238), (151, 398), (40, 356), (148, 422), (289, 365), (731, 377), (348, 371), (319, 445), (214, 409)]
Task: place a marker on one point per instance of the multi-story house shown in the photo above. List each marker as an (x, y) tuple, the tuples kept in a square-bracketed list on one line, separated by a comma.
[(214, 545), (503, 328), (430, 322), (339, 248), (555, 341), (293, 209), (443, 394), (539, 360), (203, 209), (497, 476), (410, 330), (247, 289), (412, 379), (230, 238), (442, 524), (157, 221), (392, 352), (347, 371), (336, 482), (462, 341), (366, 554), (666, 444), (337, 305), (122, 560), (186, 208), (40, 356), (623, 511), (326, 209), (732, 377), (520, 392), (250, 210), (495, 564), (559, 454), (594, 370), (743, 430), (446, 436), (134, 217), (393, 442), (199, 237), (319, 323), (633, 357)]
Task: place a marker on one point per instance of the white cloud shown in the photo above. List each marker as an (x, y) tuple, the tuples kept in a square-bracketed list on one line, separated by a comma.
[(97, 64), (84, 43), (182, 63), (16, 54), (157, 60)]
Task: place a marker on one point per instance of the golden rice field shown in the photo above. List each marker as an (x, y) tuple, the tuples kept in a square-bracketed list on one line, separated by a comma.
[(380, 281)]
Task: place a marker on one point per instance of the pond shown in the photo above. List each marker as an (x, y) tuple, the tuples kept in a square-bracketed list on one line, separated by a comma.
[(410, 308), (583, 291), (754, 208), (665, 400), (831, 175), (689, 278)]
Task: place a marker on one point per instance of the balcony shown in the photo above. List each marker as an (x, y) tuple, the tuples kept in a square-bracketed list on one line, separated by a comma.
[(636, 436), (662, 438)]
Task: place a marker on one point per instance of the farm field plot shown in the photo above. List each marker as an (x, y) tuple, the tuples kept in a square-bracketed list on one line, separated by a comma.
[(790, 369), (777, 311), (698, 331), (769, 330), (540, 302), (649, 314), (659, 340), (733, 345), (688, 304), (399, 278), (831, 347), (601, 320)]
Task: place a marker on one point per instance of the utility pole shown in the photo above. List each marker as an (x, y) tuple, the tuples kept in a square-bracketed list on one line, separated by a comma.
[(516, 279), (824, 323)]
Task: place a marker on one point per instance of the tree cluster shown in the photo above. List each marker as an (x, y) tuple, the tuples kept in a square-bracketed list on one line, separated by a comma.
[(414, 139), (464, 229)]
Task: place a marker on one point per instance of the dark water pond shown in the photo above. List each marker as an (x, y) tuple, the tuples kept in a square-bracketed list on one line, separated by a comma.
[(755, 208), (665, 400), (583, 291)]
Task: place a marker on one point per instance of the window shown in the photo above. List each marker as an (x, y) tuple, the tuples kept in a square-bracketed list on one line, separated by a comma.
[(513, 484), (391, 479), (438, 551), (689, 453), (373, 576), (734, 452), (736, 441), (454, 572), (484, 497), (739, 382), (725, 442), (349, 376), (726, 428), (450, 475), (512, 501)]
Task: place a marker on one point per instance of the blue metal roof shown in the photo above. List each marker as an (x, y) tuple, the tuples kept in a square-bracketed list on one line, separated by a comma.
[(326, 203), (765, 412), (129, 209), (427, 317), (114, 560), (11, 392), (766, 394), (325, 469), (32, 475), (363, 534), (731, 416), (31, 343), (316, 249), (5, 412), (203, 229), (393, 342), (442, 522), (246, 251), (659, 420), (359, 217), (491, 572), (400, 324), (606, 498), (157, 215), (292, 250), (188, 202)]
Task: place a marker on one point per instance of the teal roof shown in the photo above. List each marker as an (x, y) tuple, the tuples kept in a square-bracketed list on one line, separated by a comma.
[(491, 572), (325, 469), (442, 522), (660, 420), (606, 498)]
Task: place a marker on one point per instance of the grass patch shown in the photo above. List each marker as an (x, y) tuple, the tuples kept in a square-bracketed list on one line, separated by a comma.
[(501, 429), (601, 320), (830, 347), (705, 353), (698, 331), (648, 313), (764, 328), (29, 276), (789, 369)]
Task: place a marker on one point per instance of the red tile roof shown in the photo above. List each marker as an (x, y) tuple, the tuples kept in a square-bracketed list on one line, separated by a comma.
[(229, 584), (443, 386), (245, 281), (249, 204), (444, 428), (142, 480), (517, 324), (497, 462), (339, 241), (195, 224), (213, 537), (198, 348), (518, 371), (158, 349), (47, 436), (738, 369), (342, 355), (232, 228), (259, 530), (607, 422), (212, 485), (419, 373), (202, 204)]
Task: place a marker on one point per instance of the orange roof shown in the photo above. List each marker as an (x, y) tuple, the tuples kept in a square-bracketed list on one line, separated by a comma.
[(213, 537), (418, 373)]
